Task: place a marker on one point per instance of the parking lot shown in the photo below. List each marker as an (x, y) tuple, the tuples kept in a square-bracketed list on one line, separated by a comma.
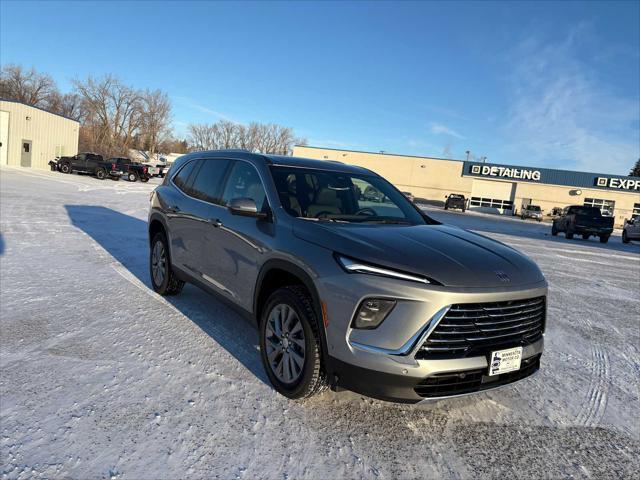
[(100, 377)]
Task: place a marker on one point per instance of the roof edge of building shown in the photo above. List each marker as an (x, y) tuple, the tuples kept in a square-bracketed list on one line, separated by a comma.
[(38, 108)]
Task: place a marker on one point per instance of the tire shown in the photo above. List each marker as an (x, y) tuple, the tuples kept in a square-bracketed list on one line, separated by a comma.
[(101, 174), (604, 238), (132, 177), (116, 178), (554, 230), (446, 207), (625, 237), (569, 234), (293, 380), (166, 283), (585, 236), (144, 180), (464, 210), (66, 168)]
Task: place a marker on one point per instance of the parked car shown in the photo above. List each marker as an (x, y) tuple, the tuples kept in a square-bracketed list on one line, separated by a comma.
[(455, 200), (631, 230), (379, 299), (583, 220), (132, 170), (156, 169), (409, 196), (531, 211), (91, 163)]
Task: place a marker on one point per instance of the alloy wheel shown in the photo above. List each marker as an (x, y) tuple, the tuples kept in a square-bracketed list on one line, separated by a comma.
[(158, 263), (285, 343)]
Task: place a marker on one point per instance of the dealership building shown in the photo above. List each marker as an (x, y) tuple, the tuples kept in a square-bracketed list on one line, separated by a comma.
[(494, 188), (30, 136)]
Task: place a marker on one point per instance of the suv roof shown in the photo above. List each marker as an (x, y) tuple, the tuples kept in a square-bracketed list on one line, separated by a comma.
[(282, 160)]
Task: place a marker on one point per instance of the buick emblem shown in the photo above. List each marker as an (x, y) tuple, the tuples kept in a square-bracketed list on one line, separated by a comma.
[(502, 276)]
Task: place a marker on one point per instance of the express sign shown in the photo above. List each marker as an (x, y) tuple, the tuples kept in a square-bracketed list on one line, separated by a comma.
[(506, 172), (621, 183)]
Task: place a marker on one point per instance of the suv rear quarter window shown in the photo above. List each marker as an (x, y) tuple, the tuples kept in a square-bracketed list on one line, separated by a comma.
[(181, 179)]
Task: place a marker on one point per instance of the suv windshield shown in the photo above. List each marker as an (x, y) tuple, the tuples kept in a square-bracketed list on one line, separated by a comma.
[(326, 195)]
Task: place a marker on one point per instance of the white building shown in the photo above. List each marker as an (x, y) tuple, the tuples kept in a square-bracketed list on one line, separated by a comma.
[(30, 136)]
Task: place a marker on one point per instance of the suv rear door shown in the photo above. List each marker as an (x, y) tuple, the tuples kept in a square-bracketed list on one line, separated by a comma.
[(190, 216)]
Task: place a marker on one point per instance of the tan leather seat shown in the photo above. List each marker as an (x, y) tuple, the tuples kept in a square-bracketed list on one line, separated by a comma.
[(327, 202)]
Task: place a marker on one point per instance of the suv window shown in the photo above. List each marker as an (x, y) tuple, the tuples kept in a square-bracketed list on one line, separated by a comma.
[(244, 181), (342, 197), (181, 178), (208, 180)]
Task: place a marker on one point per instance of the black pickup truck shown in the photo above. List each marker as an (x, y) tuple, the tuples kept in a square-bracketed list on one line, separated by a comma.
[(90, 163), (455, 200), (585, 221), (133, 171)]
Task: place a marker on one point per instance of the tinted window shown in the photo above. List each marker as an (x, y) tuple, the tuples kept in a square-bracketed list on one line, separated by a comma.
[(244, 182), (208, 180), (181, 178)]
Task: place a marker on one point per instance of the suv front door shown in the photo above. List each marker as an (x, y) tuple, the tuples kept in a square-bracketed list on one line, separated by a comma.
[(240, 242)]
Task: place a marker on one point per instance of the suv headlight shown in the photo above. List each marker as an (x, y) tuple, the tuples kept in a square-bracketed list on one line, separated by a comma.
[(372, 312), (355, 266)]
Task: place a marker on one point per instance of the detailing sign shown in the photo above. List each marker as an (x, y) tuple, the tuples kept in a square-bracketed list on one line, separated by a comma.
[(506, 172), (621, 183)]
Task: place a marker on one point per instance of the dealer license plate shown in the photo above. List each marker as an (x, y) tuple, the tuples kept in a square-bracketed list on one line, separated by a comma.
[(505, 361)]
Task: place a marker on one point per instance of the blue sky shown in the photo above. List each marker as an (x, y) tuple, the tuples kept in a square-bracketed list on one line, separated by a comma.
[(546, 84)]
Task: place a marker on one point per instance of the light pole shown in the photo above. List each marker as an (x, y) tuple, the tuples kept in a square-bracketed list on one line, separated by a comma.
[(468, 153)]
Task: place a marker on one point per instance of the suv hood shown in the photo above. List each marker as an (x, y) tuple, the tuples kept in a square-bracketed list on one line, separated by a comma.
[(450, 255)]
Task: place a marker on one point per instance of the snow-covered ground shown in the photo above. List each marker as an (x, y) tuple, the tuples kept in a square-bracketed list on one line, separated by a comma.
[(100, 377)]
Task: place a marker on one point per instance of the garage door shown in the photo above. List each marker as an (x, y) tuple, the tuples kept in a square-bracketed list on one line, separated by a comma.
[(492, 196)]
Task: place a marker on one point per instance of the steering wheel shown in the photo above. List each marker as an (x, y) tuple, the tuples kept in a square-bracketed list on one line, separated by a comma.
[(366, 211)]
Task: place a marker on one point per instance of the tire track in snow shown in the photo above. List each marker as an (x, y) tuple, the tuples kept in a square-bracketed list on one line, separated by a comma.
[(598, 394)]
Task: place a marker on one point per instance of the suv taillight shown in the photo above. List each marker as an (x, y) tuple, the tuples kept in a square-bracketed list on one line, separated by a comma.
[(145, 170), (113, 166)]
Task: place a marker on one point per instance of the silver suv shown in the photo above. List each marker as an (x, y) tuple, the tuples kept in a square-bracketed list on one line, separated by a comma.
[(368, 295)]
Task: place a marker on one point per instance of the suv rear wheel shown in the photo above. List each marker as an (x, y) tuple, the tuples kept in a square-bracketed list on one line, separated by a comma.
[(163, 279), (290, 343)]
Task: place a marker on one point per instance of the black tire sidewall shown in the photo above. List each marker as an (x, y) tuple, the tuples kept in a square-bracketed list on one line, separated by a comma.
[(135, 177), (101, 174), (298, 389)]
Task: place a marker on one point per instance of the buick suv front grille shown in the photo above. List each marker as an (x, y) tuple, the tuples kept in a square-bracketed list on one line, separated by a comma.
[(478, 328)]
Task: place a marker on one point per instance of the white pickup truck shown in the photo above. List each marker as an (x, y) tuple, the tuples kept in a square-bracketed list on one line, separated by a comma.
[(157, 169)]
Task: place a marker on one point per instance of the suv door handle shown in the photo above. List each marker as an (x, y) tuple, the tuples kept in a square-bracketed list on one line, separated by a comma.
[(215, 222)]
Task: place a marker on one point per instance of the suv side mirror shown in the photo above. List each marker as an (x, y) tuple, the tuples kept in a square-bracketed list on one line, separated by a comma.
[(245, 207)]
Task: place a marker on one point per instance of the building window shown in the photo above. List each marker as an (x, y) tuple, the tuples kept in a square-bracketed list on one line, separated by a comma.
[(491, 203), (606, 206), (636, 210)]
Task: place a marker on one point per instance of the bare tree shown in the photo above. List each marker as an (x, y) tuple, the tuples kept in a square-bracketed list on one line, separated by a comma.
[(26, 86), (68, 105), (255, 137), (156, 117), (111, 113)]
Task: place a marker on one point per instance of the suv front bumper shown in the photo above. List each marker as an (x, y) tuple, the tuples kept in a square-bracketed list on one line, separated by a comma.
[(470, 374), (383, 362)]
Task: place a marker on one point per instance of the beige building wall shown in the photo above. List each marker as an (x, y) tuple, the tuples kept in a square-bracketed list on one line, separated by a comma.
[(432, 179), (50, 135)]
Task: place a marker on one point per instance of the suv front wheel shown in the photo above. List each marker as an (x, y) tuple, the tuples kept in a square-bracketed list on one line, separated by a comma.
[(163, 279), (290, 343)]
